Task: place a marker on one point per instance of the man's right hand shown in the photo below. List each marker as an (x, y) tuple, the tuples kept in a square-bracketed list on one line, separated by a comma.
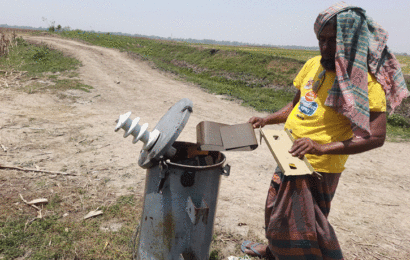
[(257, 122)]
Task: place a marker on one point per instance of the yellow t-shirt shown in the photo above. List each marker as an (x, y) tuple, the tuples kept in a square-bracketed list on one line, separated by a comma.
[(311, 118)]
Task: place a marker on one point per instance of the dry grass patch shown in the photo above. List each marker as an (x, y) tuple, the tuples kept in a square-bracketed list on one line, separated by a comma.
[(7, 41), (60, 231)]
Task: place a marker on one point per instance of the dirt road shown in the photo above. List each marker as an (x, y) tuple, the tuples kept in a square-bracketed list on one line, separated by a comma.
[(370, 211)]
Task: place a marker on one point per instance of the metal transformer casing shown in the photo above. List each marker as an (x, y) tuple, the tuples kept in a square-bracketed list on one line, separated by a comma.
[(181, 188), (177, 223)]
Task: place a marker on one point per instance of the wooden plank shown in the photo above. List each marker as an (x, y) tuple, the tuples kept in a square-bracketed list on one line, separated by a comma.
[(279, 143), (240, 137), (212, 136)]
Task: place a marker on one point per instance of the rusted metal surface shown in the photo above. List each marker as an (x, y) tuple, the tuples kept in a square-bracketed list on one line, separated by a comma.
[(213, 136)]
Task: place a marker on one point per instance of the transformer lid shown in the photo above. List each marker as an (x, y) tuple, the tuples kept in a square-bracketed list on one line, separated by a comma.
[(170, 126)]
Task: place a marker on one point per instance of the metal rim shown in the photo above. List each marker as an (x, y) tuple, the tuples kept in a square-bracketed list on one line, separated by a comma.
[(198, 168)]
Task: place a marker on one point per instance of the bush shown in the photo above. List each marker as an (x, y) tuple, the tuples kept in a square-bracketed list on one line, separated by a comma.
[(398, 120), (40, 54)]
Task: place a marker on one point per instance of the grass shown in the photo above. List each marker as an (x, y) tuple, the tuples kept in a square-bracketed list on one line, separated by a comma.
[(300, 55), (51, 70), (405, 64), (37, 59), (71, 237), (62, 233), (7, 41), (398, 126), (58, 86)]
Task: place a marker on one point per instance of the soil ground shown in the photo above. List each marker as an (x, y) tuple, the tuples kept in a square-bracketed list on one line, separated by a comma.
[(370, 211)]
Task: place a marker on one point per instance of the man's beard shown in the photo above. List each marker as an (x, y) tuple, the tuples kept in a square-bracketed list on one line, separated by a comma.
[(328, 64)]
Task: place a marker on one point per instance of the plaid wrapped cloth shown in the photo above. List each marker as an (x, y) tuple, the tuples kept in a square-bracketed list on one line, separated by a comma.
[(360, 47), (296, 217)]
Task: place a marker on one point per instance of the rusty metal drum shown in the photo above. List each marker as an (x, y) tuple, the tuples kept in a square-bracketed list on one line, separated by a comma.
[(180, 204)]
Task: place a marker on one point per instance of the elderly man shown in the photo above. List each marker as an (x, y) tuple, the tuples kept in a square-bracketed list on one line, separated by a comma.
[(339, 109)]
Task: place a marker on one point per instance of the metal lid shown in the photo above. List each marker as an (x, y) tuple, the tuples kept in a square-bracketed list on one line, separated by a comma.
[(170, 126)]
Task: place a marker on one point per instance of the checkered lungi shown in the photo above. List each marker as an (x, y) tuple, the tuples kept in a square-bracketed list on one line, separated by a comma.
[(296, 214)]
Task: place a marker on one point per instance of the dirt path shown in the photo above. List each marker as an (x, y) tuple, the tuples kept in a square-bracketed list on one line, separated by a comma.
[(370, 211)]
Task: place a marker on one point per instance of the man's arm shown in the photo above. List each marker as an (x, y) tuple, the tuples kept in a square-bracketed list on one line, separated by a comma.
[(278, 117), (354, 145)]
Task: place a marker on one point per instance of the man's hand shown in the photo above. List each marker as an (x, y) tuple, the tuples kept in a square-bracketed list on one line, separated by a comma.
[(257, 122), (304, 146), (353, 145), (278, 117)]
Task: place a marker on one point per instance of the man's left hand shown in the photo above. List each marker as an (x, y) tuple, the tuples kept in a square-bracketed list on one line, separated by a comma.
[(304, 146)]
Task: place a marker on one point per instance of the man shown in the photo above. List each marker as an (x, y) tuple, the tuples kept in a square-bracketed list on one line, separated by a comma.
[(339, 109)]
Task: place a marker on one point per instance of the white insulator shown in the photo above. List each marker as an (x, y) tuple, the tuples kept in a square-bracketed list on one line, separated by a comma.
[(131, 127), (134, 128), (153, 137), (141, 134), (123, 122)]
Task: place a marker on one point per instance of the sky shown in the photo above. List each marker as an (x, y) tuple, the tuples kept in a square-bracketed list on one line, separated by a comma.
[(253, 21)]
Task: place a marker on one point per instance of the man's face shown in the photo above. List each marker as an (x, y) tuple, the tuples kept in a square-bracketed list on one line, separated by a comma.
[(327, 45)]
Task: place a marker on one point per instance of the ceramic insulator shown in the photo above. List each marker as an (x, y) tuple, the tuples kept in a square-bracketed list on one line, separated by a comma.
[(131, 127)]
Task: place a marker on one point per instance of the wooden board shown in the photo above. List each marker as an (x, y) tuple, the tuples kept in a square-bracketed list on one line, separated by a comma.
[(279, 143), (212, 136), (239, 137)]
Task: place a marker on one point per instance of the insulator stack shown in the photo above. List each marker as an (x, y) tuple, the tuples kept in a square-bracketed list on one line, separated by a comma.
[(131, 127)]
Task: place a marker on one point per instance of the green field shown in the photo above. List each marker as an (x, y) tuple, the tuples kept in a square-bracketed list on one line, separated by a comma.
[(300, 55), (259, 77), (405, 64), (37, 61)]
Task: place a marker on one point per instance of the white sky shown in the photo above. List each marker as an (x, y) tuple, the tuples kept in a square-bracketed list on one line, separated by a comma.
[(285, 22)]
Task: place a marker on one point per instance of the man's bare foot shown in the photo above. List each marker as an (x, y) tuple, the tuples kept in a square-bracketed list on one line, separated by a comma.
[(256, 250)]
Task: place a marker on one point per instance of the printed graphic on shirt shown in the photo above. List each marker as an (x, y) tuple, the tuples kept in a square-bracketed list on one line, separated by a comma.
[(307, 105), (309, 84)]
